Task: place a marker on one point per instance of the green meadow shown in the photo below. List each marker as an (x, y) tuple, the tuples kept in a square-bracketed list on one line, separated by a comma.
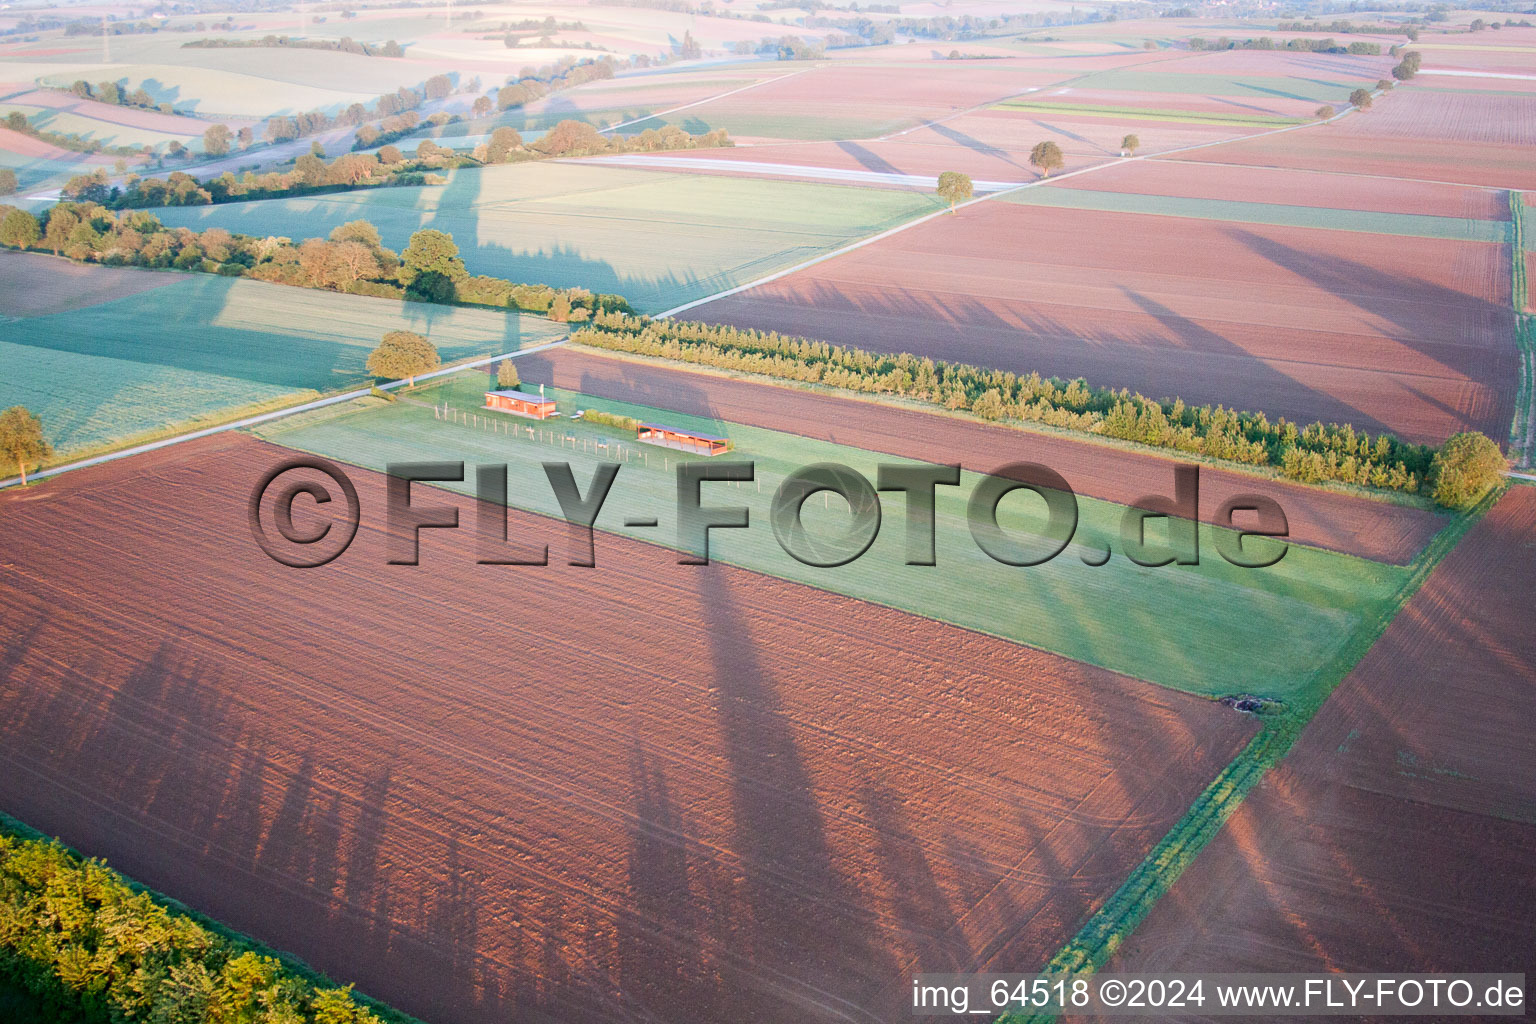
[(204, 348), (657, 238), (1211, 629)]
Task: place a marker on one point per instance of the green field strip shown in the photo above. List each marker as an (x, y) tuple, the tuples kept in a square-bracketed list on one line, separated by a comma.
[(1150, 114), (1411, 225), (202, 348), (1216, 629), (1117, 919), (658, 238), (1522, 429)]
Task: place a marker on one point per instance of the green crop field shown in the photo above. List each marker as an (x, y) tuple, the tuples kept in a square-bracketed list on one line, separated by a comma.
[(657, 238), (1463, 229), (207, 346), (1210, 629)]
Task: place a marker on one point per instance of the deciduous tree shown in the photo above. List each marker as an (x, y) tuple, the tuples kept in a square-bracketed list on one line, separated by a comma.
[(506, 375), (216, 140), (19, 229), (430, 266), (403, 355), (1467, 467), (955, 187), (21, 438), (1048, 157), (1129, 145)]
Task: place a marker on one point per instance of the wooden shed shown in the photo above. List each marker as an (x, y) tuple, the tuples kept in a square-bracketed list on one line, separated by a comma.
[(520, 403), (683, 440)]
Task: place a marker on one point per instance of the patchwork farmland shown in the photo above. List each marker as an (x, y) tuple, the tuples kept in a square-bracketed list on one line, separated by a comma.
[(479, 784), (657, 238), (134, 353), (484, 858)]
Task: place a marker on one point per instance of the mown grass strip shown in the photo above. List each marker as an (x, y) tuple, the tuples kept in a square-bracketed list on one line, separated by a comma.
[(1151, 114), (1104, 933), (1520, 439)]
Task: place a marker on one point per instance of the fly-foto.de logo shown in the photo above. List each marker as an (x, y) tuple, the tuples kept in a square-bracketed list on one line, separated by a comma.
[(913, 490)]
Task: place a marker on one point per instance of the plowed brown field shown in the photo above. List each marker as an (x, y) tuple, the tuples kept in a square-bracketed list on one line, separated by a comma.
[(1412, 133), (1400, 833), (33, 285), (1295, 187), (1328, 519), (1342, 326), (640, 792)]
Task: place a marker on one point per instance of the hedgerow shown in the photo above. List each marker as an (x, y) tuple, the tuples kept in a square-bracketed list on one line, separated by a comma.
[(86, 945), (1313, 453)]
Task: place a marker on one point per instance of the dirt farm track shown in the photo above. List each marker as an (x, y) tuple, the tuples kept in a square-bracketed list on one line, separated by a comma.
[(642, 792)]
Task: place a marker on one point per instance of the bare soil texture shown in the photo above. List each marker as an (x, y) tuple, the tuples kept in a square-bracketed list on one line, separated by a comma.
[(32, 285), (1295, 187), (644, 791), (1305, 323), (1400, 833), (1412, 133), (1329, 519)]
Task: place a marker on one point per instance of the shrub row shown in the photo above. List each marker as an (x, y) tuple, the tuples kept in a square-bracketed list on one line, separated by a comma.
[(1313, 453), (609, 419), (86, 945)]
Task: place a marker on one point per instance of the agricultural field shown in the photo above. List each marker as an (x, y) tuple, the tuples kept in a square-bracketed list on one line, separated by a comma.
[(874, 100), (136, 352), (1310, 324), (1195, 628), (656, 238), (618, 101), (752, 793), (1417, 134), (1354, 854), (491, 773)]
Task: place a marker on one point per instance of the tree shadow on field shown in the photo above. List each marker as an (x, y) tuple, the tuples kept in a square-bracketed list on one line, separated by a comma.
[(973, 143), (871, 161), (1402, 302)]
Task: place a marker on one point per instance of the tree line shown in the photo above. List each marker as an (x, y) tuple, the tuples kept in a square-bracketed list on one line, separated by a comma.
[(1359, 47), (85, 945), (388, 167), (310, 174), (351, 259), (1314, 453), (346, 44)]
